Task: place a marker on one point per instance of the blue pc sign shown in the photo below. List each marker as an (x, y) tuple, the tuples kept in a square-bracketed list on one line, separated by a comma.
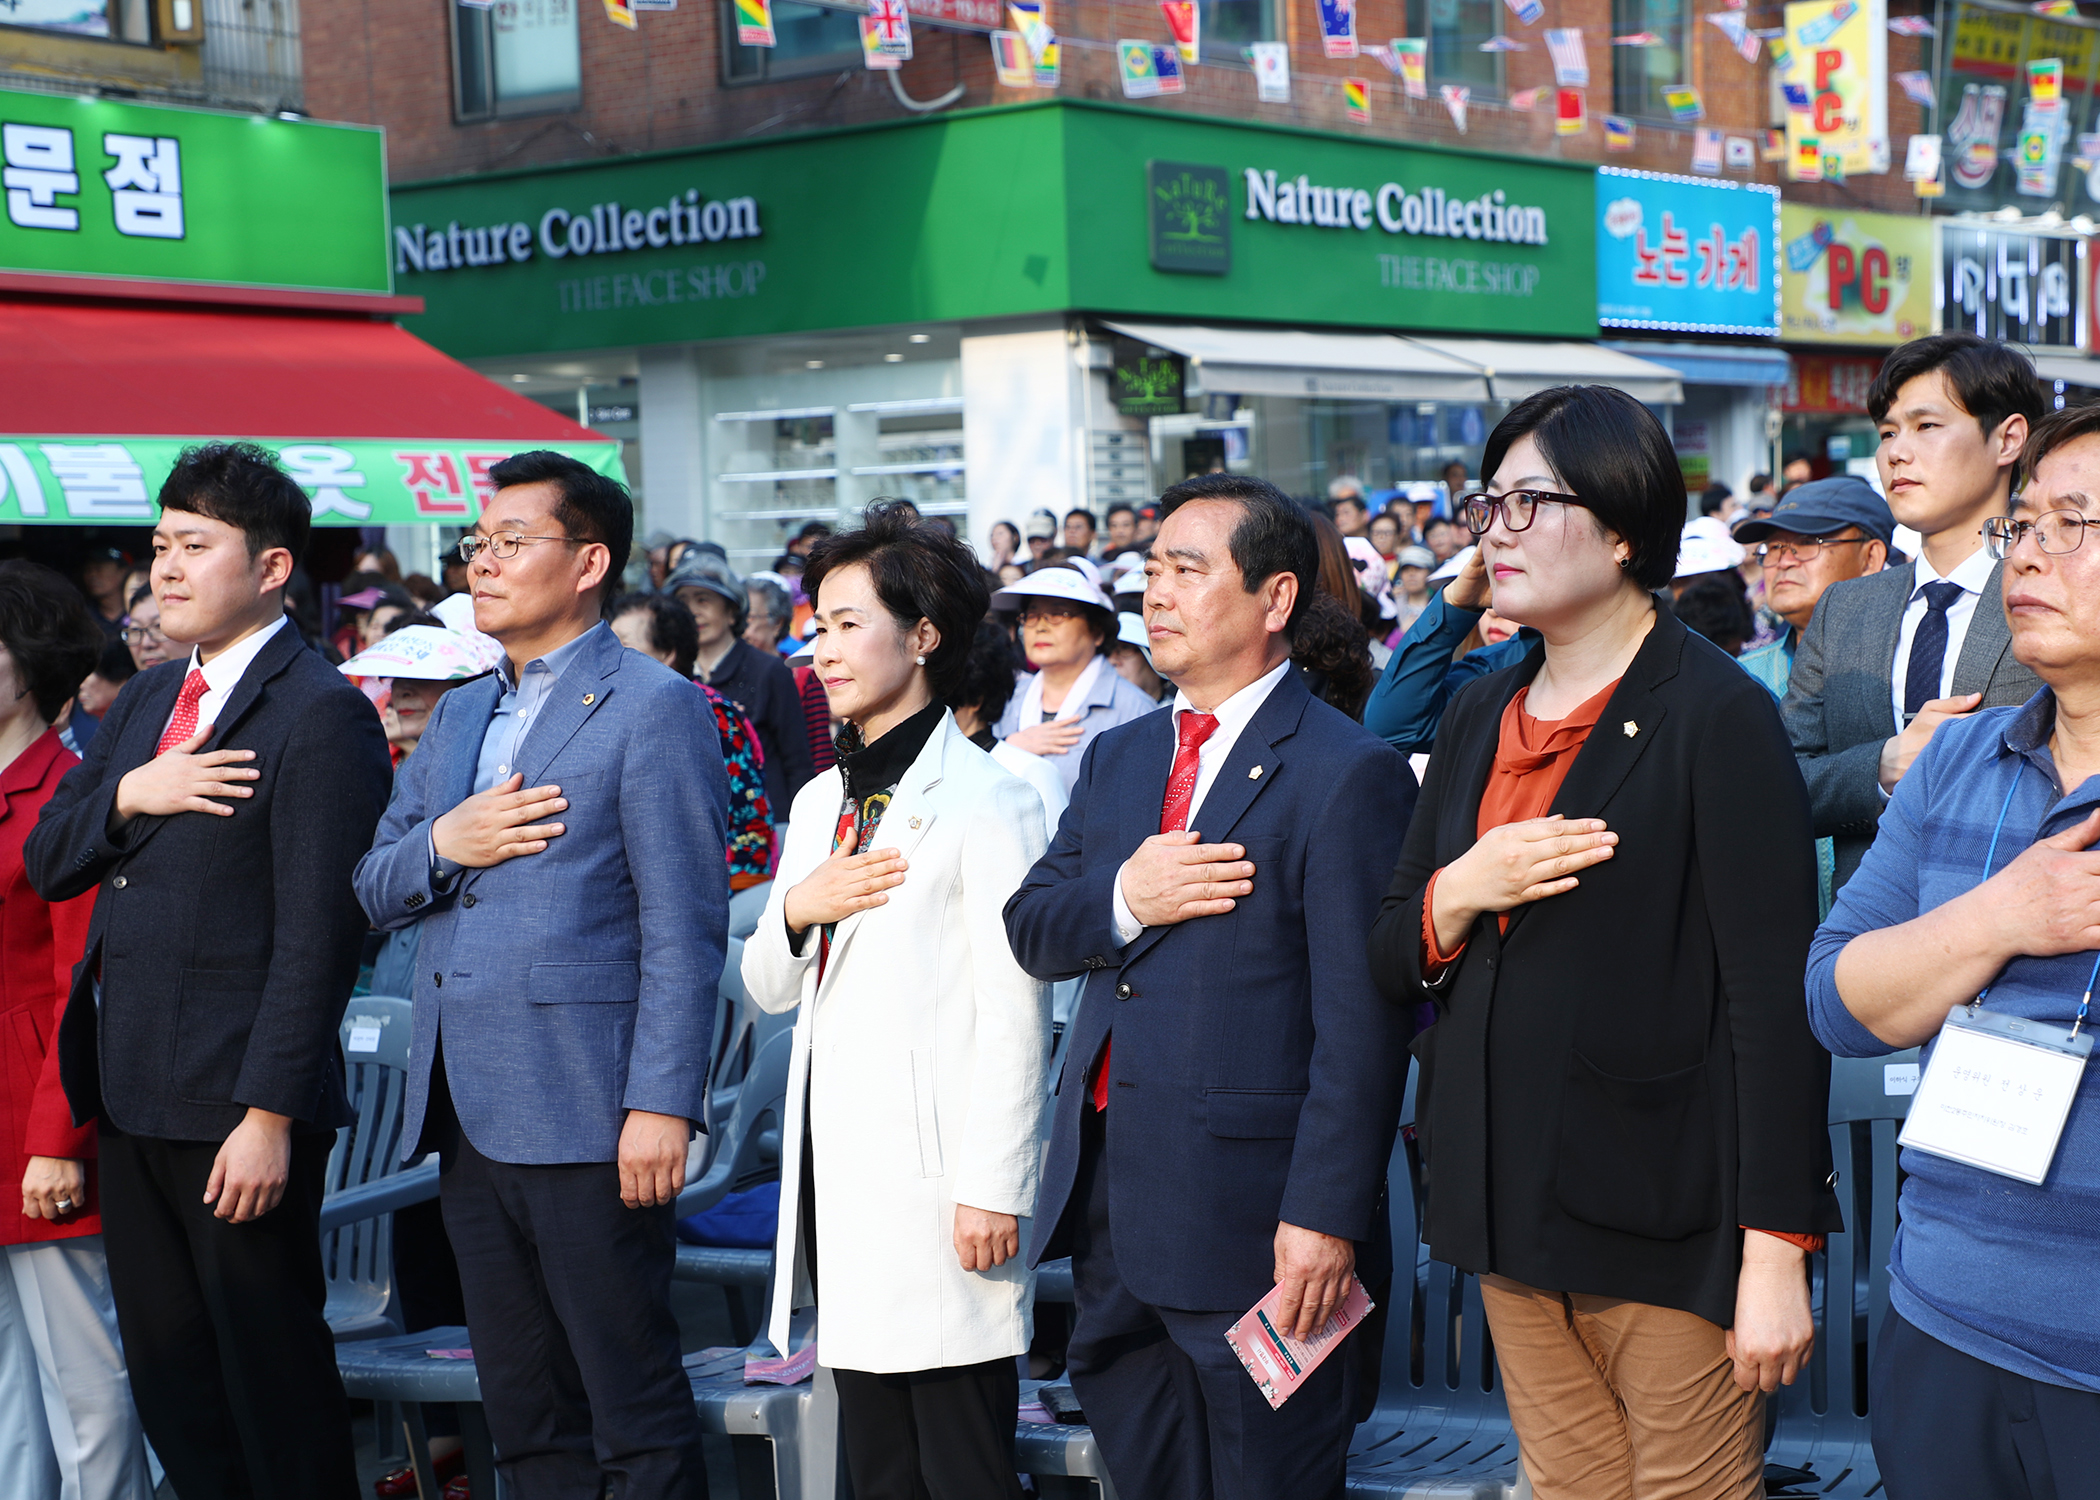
[(1686, 253)]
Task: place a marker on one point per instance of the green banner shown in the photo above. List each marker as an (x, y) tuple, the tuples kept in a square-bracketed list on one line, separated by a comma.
[(72, 481), (1060, 206), (102, 187)]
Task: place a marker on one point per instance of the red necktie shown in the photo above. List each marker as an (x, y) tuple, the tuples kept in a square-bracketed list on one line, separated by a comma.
[(1189, 735), (184, 724)]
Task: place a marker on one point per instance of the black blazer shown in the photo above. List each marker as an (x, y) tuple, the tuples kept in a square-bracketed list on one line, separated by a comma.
[(1628, 1075), (227, 946)]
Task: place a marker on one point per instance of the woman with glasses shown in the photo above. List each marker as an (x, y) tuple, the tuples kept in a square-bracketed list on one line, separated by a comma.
[(1607, 894), (1982, 886), (1074, 693)]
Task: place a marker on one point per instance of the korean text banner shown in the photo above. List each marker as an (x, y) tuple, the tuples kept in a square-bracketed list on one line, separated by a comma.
[(100, 187), (1854, 278), (2002, 284), (71, 481), (1688, 254), (1838, 52)]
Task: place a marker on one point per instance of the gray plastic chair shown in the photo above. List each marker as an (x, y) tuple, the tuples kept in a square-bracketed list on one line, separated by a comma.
[(398, 1375), (1821, 1422), (1442, 1433), (357, 1254), (746, 1153)]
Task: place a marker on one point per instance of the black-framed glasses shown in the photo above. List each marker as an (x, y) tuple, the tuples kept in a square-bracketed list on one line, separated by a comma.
[(142, 635), (504, 544), (1518, 507), (1034, 613), (2055, 532), (1804, 550)]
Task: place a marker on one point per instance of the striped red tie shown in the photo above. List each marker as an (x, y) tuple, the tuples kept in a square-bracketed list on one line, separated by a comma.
[(184, 724), (1189, 736)]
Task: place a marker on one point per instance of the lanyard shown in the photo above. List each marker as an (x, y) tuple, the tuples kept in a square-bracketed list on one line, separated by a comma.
[(2085, 1002)]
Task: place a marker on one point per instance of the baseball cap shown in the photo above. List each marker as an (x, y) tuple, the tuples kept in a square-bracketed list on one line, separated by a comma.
[(1040, 523), (1416, 557), (1130, 630), (1706, 547), (1822, 506), (704, 570)]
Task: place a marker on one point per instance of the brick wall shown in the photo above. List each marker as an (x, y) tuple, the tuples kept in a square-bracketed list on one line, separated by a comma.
[(660, 87)]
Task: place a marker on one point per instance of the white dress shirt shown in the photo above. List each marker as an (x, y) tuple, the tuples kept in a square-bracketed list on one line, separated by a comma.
[(1971, 575), (1233, 715), (224, 672)]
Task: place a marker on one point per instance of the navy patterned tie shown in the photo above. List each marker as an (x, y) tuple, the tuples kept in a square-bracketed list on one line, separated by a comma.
[(1928, 649)]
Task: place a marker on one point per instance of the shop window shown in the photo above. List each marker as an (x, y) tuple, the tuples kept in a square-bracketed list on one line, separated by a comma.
[(515, 57), (806, 39), (1985, 115), (119, 20), (1229, 25), (1640, 74), (1455, 29)]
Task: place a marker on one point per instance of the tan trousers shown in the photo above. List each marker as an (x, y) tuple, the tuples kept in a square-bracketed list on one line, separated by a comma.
[(1616, 1400)]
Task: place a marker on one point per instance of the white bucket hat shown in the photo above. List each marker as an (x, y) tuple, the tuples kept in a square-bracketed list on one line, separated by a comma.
[(1066, 583)]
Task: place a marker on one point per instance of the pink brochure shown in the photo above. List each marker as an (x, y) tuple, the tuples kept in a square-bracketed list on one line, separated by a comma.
[(1279, 1363)]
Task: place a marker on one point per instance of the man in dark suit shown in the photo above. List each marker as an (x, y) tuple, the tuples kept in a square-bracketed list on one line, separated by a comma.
[(1889, 658), (1232, 1086), (220, 812)]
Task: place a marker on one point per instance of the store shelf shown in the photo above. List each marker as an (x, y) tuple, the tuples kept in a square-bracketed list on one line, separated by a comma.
[(777, 476), (784, 414), (901, 408)]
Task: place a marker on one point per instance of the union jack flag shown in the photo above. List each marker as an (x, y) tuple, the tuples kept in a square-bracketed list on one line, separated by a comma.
[(892, 23)]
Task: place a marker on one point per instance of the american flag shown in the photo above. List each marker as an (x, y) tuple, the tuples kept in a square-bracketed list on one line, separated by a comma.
[(1571, 66)]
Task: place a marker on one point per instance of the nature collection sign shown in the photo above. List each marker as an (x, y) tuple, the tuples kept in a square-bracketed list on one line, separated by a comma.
[(1125, 211), (104, 187), (113, 481)]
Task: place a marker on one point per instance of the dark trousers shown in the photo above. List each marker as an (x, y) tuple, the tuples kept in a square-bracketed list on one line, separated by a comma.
[(1948, 1426), (232, 1364), (568, 1295), (932, 1434), (1175, 1413)]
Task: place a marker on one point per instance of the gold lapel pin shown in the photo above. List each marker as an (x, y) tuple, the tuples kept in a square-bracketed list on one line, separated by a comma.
[(1255, 774), (915, 822), (1631, 728), (589, 699)]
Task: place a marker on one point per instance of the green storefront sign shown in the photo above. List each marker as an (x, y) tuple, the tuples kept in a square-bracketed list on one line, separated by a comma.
[(112, 481), (1052, 207), (100, 187)]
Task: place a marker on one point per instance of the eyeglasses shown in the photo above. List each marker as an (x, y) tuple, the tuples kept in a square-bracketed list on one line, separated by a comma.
[(2055, 532), (1518, 508), (142, 635), (1043, 614), (1804, 550), (504, 544)]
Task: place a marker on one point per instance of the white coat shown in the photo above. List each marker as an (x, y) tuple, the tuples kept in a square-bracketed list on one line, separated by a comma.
[(920, 1061)]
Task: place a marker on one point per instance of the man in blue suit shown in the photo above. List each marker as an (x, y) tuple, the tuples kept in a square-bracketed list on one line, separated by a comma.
[(559, 834), (1233, 1082)]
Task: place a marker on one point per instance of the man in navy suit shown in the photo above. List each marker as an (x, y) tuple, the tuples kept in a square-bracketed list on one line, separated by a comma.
[(1233, 1082), (558, 833)]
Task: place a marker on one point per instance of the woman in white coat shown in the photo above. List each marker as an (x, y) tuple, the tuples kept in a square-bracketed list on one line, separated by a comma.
[(916, 1094)]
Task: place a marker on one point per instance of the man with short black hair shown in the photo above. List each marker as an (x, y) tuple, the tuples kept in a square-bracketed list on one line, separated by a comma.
[(559, 836), (1079, 532), (1887, 659), (1214, 1139), (1122, 529), (219, 813)]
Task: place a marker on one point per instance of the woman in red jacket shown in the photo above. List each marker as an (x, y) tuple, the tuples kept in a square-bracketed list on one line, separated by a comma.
[(67, 1426)]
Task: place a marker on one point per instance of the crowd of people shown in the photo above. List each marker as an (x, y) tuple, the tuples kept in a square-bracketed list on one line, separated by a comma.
[(1115, 879)]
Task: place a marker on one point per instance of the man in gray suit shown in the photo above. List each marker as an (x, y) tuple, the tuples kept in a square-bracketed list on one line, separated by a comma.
[(559, 834), (1889, 658)]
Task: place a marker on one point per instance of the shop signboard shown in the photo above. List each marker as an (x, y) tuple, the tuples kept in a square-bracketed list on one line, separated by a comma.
[(1837, 62), (2003, 284), (929, 220), (110, 188), (1852, 277), (1146, 382), (1687, 254), (112, 481), (1829, 383)]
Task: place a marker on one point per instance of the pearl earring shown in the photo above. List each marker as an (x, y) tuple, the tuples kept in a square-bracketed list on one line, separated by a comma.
[(921, 660)]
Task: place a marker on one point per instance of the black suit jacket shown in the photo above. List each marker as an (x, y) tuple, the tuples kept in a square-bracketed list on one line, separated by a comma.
[(1627, 1075), (1257, 1074), (227, 946)]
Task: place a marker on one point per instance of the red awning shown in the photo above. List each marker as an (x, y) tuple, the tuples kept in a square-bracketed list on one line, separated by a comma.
[(145, 371)]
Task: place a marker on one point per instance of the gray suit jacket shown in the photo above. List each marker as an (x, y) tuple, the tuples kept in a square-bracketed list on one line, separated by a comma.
[(1838, 711), (578, 983)]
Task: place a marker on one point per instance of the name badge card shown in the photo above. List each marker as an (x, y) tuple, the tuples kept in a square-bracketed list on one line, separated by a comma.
[(1997, 1092)]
